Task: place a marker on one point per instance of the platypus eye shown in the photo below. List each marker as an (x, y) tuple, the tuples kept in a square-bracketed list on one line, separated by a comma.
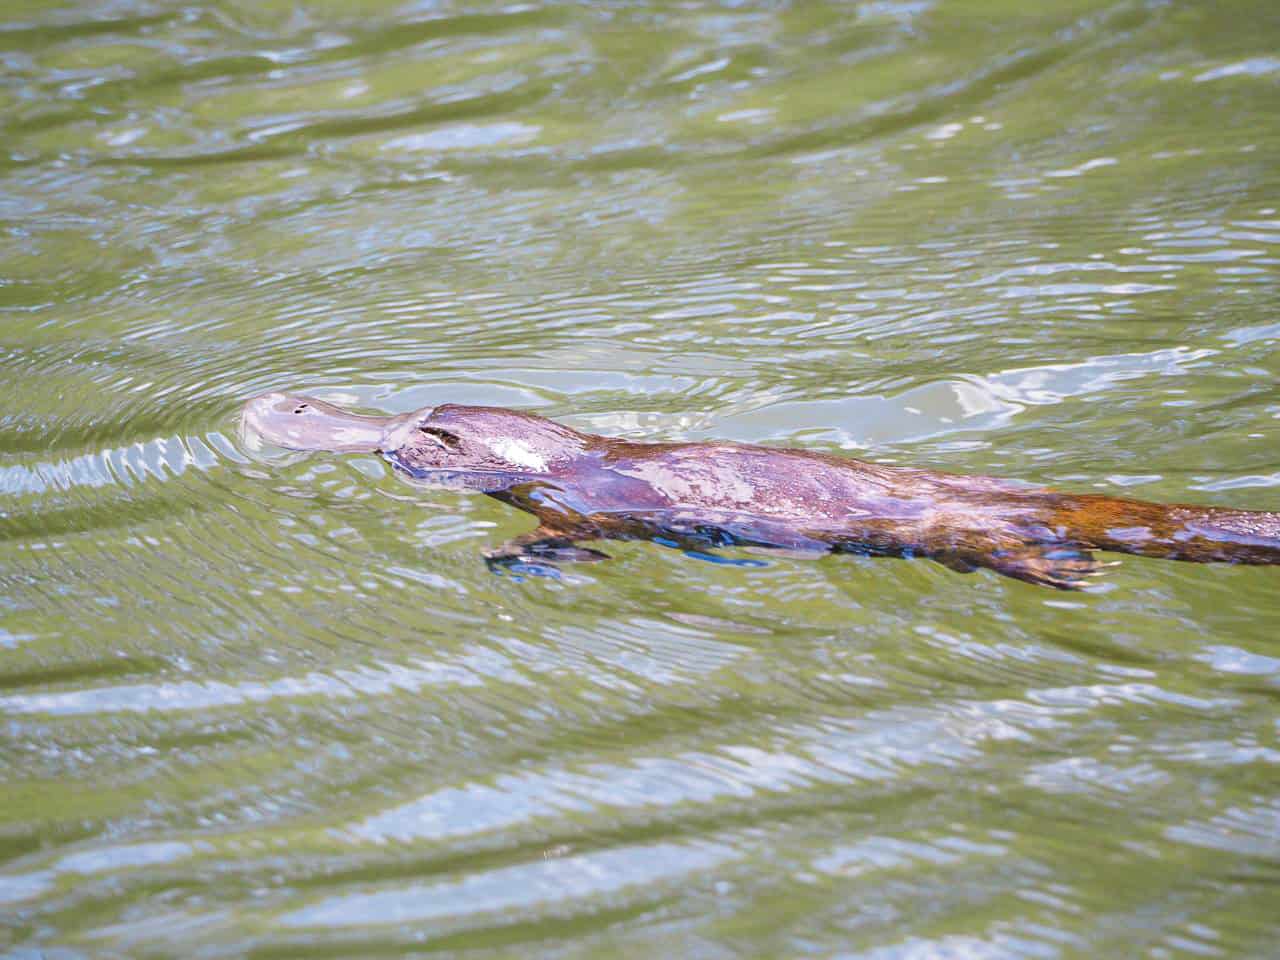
[(441, 438)]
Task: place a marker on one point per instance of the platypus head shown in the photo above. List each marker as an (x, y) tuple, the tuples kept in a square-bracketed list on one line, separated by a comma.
[(452, 439), (435, 443)]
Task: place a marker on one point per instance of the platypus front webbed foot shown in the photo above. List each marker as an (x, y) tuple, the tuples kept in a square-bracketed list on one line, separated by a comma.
[(1058, 565), (537, 553)]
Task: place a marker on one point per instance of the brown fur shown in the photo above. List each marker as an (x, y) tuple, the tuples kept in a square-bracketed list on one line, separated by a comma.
[(703, 495)]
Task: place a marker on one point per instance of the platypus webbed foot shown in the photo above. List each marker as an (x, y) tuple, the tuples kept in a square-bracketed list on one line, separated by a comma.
[(537, 554), (1058, 566), (1061, 566)]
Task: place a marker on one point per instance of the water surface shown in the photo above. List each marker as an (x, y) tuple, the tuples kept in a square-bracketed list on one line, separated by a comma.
[(279, 708)]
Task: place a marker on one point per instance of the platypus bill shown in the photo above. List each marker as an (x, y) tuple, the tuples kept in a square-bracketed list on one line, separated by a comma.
[(699, 496)]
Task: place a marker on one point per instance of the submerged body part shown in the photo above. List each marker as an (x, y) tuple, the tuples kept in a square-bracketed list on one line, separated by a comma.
[(703, 495)]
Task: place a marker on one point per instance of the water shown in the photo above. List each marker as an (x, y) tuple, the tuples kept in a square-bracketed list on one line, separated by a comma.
[(281, 709)]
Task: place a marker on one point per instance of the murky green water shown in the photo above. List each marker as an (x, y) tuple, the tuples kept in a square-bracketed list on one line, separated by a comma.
[(282, 710)]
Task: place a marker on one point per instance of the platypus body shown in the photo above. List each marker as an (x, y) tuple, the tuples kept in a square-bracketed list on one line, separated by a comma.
[(700, 496)]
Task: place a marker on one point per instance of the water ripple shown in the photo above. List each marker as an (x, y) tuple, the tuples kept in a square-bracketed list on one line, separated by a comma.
[(278, 705)]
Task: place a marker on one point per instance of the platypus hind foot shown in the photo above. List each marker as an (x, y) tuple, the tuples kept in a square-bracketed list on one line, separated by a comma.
[(1057, 565), (1062, 567)]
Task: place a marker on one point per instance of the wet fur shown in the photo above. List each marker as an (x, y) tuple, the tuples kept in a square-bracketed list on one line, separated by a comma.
[(584, 487)]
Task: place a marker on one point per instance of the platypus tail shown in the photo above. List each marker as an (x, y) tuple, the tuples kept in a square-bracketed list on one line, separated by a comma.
[(1171, 531)]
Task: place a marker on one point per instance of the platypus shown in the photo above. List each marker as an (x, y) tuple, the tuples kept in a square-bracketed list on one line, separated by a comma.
[(700, 496)]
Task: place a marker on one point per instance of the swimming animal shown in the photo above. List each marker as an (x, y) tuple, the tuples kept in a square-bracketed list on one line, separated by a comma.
[(701, 496)]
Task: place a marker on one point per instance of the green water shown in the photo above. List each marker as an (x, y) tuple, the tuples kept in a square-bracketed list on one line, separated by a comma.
[(280, 708)]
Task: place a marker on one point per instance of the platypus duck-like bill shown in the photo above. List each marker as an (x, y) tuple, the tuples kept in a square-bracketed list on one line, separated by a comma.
[(704, 495)]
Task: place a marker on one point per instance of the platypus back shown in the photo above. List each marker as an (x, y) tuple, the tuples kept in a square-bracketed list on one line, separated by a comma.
[(1172, 531)]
